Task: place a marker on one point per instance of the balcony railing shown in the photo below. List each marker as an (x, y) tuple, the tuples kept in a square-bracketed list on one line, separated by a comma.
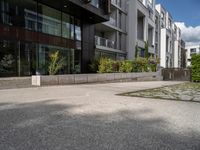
[(149, 4), (116, 2), (112, 21), (104, 42), (95, 3)]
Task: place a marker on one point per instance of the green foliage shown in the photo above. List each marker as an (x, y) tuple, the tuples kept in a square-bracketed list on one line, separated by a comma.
[(105, 65), (136, 51), (126, 66), (94, 65), (116, 66), (142, 64), (196, 67), (146, 48), (6, 63), (56, 63), (152, 62)]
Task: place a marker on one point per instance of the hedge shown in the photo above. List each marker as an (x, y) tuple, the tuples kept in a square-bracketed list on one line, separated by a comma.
[(196, 68), (106, 65)]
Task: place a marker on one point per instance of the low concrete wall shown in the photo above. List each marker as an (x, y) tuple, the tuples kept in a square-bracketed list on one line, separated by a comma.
[(15, 82), (176, 74), (94, 78)]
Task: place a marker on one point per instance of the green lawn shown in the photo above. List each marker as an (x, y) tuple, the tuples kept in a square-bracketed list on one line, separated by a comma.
[(183, 92)]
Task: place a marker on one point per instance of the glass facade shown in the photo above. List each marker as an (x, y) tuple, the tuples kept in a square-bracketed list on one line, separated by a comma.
[(30, 32), (111, 55)]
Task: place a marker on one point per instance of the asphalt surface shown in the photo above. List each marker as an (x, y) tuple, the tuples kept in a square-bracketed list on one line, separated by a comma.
[(93, 117)]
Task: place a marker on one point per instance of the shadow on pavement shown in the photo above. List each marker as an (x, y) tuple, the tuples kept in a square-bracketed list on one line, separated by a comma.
[(47, 125)]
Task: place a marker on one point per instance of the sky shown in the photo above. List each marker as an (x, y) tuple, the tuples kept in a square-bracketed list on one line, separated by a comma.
[(186, 15)]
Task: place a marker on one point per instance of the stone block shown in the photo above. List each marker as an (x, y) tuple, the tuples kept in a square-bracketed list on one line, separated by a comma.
[(80, 78), (66, 79), (49, 80)]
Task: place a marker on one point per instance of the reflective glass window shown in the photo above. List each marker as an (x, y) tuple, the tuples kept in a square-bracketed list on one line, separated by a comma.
[(49, 20)]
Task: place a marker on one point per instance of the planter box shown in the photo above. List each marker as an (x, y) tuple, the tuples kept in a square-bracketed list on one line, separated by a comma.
[(94, 78)]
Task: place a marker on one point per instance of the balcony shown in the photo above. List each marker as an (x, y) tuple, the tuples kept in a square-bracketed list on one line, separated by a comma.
[(104, 42), (150, 5), (95, 3), (93, 11), (112, 22), (116, 2)]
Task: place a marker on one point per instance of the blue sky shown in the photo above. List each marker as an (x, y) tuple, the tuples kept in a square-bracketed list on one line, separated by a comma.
[(187, 11), (186, 14)]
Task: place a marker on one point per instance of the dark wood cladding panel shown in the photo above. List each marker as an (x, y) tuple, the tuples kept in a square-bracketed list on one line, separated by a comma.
[(19, 33), (88, 51)]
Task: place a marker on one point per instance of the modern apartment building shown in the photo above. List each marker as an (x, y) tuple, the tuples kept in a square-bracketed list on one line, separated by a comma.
[(111, 36), (170, 40), (193, 49), (31, 29), (166, 47), (177, 47), (142, 28), (183, 55)]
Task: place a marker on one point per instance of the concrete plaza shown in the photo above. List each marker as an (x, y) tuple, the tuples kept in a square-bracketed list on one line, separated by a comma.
[(93, 117)]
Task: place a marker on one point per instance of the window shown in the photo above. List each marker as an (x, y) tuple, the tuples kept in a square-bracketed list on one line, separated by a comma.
[(52, 28), (49, 20), (95, 3), (77, 30), (66, 27), (193, 50)]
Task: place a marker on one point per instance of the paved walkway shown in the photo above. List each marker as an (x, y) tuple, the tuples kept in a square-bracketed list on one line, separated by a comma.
[(92, 117)]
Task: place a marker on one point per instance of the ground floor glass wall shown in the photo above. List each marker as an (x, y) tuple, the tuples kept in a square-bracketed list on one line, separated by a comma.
[(24, 59), (31, 32)]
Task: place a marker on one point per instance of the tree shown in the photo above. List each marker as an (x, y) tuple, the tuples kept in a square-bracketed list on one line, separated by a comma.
[(56, 63)]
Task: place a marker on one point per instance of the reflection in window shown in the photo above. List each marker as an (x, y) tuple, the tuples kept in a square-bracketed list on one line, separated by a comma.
[(66, 27), (72, 27), (44, 52), (8, 59), (77, 30), (49, 20), (21, 57)]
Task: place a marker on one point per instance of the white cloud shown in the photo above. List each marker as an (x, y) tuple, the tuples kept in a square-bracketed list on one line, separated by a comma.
[(191, 35)]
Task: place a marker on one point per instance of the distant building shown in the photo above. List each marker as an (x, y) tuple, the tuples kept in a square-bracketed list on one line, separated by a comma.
[(170, 40), (193, 49), (183, 55)]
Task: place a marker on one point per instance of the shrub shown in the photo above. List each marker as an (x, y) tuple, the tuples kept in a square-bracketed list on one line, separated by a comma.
[(94, 65), (196, 68), (146, 50), (152, 62), (56, 63), (105, 65), (126, 66), (116, 66), (141, 64)]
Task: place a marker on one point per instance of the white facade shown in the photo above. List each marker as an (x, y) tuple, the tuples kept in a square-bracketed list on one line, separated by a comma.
[(194, 49), (136, 23), (170, 40), (177, 47)]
